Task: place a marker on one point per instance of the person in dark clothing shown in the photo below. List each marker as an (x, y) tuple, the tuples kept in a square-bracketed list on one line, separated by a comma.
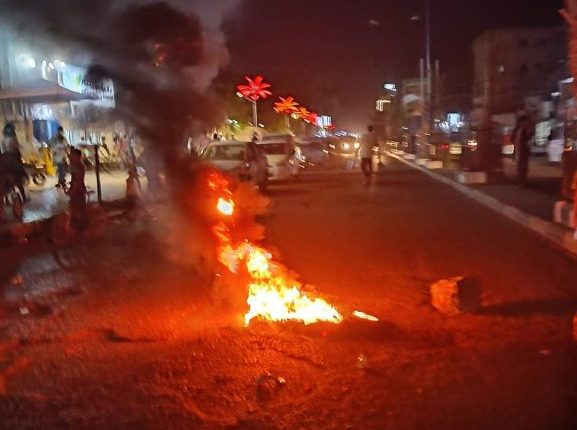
[(369, 141), (14, 171), (521, 138), (77, 191)]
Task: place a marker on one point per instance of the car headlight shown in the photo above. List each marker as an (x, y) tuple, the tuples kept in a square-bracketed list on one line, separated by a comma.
[(346, 146), (357, 145)]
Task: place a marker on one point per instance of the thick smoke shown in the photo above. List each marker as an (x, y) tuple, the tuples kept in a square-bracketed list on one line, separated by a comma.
[(161, 55)]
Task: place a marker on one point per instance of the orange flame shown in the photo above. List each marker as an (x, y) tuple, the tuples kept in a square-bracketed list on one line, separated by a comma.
[(273, 294)]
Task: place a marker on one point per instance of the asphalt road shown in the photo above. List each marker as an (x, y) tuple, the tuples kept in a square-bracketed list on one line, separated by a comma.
[(124, 339)]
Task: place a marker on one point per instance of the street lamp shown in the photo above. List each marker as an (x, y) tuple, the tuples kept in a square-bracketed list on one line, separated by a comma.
[(428, 84), (255, 90)]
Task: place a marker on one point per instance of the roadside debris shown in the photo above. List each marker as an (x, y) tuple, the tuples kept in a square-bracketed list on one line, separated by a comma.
[(456, 295), (268, 384), (362, 362), (364, 316)]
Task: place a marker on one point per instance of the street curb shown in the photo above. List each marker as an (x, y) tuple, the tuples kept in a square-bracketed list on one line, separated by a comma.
[(15, 233), (552, 233)]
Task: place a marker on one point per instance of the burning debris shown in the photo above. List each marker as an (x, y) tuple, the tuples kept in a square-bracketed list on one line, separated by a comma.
[(273, 293), (364, 316)]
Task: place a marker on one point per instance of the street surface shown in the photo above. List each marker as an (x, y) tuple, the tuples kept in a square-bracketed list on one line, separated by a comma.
[(112, 335)]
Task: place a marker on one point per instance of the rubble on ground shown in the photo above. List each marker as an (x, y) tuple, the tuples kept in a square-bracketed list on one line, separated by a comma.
[(456, 295)]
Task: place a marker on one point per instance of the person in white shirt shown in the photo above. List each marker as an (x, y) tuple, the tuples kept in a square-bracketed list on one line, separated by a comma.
[(368, 142), (60, 150)]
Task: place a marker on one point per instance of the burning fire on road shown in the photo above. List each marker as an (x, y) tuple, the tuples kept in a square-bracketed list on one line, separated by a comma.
[(273, 293)]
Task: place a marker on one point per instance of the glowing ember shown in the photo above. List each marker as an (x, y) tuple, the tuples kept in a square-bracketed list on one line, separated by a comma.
[(273, 294), (364, 316), (225, 206)]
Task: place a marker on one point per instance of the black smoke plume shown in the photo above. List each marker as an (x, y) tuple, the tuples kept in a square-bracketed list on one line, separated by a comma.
[(155, 52)]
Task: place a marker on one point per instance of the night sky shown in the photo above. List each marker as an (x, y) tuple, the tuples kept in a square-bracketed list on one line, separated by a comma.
[(332, 53)]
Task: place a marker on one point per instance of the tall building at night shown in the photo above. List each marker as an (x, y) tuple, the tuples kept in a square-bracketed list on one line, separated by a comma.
[(518, 68)]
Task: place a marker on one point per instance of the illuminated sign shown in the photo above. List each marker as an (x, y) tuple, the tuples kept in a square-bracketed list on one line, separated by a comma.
[(72, 78)]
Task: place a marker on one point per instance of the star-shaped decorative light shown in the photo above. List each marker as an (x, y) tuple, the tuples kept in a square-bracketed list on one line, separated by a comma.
[(255, 90)]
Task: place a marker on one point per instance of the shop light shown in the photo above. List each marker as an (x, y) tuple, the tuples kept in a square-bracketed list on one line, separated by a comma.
[(26, 61), (59, 64)]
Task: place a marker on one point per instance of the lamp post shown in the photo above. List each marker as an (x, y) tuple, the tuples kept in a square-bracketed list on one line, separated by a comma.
[(430, 113), (427, 69)]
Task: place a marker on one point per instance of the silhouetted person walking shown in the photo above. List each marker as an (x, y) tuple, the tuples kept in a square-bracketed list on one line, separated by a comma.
[(521, 137), (368, 142)]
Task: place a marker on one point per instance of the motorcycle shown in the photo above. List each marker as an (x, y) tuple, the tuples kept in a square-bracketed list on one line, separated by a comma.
[(36, 173)]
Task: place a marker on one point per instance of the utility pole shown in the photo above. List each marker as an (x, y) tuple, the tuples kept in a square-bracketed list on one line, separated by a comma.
[(254, 114), (429, 67)]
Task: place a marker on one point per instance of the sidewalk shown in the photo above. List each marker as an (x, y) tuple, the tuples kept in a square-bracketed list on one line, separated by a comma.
[(48, 201), (531, 206), (538, 198)]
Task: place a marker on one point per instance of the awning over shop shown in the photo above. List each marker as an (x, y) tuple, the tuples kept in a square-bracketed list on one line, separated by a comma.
[(42, 92)]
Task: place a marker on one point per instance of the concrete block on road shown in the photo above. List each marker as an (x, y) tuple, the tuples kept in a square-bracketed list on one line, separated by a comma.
[(434, 165), (422, 161), (472, 178), (456, 295)]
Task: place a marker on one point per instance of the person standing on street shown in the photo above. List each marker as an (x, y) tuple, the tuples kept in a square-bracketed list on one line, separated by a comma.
[(60, 155), (368, 142), (522, 136), (77, 191), (10, 149)]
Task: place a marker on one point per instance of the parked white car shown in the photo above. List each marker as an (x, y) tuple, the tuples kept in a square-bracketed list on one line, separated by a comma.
[(244, 160), (283, 156)]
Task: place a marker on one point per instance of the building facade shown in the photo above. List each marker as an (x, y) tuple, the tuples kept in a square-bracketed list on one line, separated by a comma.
[(518, 68), (40, 90)]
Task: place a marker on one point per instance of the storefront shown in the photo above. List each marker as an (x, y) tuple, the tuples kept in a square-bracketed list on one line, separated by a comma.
[(39, 92)]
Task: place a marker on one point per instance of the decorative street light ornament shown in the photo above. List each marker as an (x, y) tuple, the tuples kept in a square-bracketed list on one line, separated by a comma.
[(303, 113), (255, 90), (312, 118), (286, 106)]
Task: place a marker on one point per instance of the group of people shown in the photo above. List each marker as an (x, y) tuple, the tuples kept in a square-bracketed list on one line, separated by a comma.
[(521, 137), (66, 159)]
